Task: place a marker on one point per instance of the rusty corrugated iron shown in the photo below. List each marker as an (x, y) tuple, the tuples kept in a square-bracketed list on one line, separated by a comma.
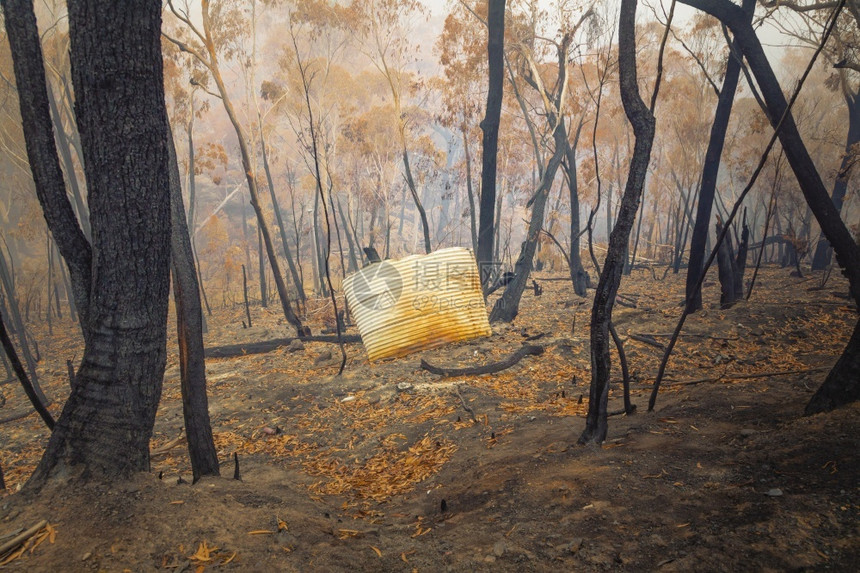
[(418, 302)]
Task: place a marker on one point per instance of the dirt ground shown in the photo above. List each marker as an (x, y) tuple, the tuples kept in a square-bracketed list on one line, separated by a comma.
[(384, 469)]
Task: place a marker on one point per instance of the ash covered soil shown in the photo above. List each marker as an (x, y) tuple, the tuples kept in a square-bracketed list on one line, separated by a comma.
[(383, 468)]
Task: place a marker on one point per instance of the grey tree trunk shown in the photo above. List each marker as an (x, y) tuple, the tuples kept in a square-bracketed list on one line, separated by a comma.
[(297, 281), (508, 305), (473, 227)]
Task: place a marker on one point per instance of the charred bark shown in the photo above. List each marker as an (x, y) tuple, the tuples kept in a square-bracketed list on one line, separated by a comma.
[(642, 121), (490, 129), (107, 422), (726, 270), (189, 331)]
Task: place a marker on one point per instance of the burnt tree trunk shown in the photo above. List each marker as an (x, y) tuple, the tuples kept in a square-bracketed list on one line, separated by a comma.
[(473, 225), (107, 422), (642, 121), (490, 128), (7, 285), (189, 333), (577, 272), (726, 270), (740, 261), (36, 399)]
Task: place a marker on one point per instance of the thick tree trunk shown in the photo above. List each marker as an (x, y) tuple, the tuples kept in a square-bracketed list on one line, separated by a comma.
[(823, 252), (842, 382), (29, 69), (189, 332), (841, 385), (107, 422), (642, 121), (711, 166), (490, 128)]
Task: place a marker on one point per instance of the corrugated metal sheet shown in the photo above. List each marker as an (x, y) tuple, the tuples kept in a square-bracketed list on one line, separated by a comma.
[(418, 302)]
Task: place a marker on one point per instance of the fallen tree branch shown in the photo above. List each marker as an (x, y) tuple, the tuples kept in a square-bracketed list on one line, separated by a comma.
[(466, 406), (21, 538), (687, 335), (491, 368), (746, 376), (232, 350), (647, 340), (165, 449), (16, 416)]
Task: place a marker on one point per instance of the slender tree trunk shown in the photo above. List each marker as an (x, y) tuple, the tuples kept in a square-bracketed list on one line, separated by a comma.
[(36, 398), (490, 128), (245, 295), (297, 281), (740, 263), (18, 324), (264, 297), (410, 182), (189, 331), (473, 227), (642, 121), (64, 146), (577, 272), (211, 62), (823, 252), (353, 259)]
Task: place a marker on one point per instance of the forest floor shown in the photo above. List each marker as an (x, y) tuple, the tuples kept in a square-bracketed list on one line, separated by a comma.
[(383, 468)]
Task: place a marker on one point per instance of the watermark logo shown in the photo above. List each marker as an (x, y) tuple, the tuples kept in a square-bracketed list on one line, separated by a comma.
[(378, 287)]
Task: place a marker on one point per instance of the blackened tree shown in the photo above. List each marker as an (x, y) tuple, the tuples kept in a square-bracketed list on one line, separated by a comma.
[(122, 278)]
